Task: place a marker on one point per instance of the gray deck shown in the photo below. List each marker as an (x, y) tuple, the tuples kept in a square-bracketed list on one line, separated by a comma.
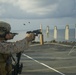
[(41, 60)]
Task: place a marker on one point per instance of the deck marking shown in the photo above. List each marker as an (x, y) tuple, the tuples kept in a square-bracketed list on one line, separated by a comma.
[(43, 64), (72, 49)]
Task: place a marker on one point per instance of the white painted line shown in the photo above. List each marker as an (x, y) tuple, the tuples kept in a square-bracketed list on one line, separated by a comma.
[(71, 50), (44, 64)]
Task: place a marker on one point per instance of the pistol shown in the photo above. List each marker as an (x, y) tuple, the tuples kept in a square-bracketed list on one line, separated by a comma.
[(36, 32)]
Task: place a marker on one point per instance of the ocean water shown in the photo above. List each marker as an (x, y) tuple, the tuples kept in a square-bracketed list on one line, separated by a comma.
[(50, 37), (60, 35)]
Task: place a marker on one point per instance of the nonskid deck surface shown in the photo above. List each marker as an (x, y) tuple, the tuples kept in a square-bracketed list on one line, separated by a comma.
[(49, 59)]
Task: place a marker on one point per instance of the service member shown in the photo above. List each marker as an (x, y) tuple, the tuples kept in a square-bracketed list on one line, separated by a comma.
[(8, 48)]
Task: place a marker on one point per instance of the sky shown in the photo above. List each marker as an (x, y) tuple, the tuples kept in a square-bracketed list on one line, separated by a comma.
[(30, 14)]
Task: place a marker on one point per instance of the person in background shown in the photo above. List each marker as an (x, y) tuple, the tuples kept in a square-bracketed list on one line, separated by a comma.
[(8, 48)]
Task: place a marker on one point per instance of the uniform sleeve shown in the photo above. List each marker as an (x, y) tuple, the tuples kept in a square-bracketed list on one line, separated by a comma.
[(13, 47)]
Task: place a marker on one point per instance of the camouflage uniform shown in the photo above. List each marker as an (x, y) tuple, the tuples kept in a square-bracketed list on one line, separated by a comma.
[(8, 48)]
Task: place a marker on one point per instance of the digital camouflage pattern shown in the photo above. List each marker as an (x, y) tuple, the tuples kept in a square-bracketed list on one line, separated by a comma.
[(13, 47)]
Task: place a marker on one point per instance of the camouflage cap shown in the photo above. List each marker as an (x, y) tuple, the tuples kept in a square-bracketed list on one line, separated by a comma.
[(5, 25)]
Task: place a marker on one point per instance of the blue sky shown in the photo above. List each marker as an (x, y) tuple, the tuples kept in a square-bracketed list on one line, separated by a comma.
[(45, 12)]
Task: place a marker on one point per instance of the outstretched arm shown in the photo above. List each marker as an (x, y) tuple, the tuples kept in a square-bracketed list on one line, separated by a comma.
[(18, 46)]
